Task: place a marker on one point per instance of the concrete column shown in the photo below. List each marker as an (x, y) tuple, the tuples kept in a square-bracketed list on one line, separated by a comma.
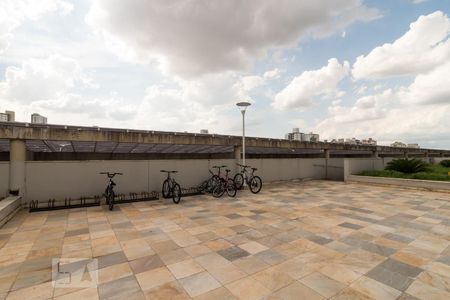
[(405, 154), (327, 157), (17, 156), (375, 154), (237, 150)]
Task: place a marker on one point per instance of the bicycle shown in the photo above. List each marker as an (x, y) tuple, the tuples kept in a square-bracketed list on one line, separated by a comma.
[(226, 184), (254, 182), (171, 187), (209, 184), (109, 191)]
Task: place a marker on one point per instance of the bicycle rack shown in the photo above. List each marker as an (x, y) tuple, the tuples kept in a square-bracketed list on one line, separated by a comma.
[(135, 197), (192, 191), (53, 204)]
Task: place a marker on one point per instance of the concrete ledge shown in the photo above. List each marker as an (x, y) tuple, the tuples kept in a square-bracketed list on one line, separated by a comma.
[(411, 183), (8, 208)]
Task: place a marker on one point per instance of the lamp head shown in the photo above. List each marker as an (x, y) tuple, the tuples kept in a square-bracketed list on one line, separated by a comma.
[(243, 105)]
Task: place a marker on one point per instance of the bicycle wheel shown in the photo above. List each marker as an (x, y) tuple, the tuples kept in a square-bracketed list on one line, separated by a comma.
[(213, 182), (255, 184), (106, 194), (218, 191), (203, 186), (176, 193), (166, 189), (231, 188), (111, 200), (238, 181)]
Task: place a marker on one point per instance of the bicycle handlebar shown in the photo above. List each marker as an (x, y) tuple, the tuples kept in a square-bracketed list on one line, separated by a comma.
[(111, 175), (216, 167), (165, 171), (244, 166)]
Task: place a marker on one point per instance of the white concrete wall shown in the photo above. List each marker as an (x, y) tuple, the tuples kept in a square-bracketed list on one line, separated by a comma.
[(61, 179), (4, 179), (353, 166)]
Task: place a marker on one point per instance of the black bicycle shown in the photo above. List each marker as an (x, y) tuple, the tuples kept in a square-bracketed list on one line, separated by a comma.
[(171, 188), (213, 181), (226, 184), (254, 182), (109, 191)]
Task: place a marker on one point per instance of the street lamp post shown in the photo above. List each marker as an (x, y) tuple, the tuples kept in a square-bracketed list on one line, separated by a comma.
[(243, 106)]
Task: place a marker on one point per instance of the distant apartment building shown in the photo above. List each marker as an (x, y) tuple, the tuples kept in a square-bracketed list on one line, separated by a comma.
[(296, 135), (38, 119), (204, 131), (399, 145), (355, 141), (7, 116), (403, 145), (415, 146)]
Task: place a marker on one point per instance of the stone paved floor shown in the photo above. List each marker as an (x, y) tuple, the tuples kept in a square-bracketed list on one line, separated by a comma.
[(312, 240)]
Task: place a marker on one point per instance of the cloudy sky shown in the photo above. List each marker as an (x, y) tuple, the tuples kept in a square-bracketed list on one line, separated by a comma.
[(342, 68)]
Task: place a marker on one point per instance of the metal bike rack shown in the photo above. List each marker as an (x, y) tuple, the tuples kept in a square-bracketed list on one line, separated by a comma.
[(53, 204), (135, 197), (192, 191)]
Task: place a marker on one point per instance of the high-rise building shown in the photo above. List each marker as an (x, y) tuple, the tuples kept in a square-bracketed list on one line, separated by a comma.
[(296, 135), (7, 116), (38, 119)]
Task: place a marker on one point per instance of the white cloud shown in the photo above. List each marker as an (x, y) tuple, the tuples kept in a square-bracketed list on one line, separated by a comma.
[(429, 88), (198, 37), (15, 12), (41, 79), (397, 114), (425, 46), (303, 88)]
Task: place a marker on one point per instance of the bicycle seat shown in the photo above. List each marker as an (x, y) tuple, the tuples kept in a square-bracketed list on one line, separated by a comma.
[(228, 170), (163, 171), (254, 169), (173, 171)]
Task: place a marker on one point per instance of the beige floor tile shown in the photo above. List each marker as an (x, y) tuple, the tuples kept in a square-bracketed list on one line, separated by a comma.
[(424, 291), (153, 278), (248, 289), (351, 294), (439, 268), (322, 284), (171, 290), (227, 273), (185, 268), (41, 291), (6, 282), (251, 264), (138, 252), (85, 294), (199, 283), (197, 250), (114, 272), (273, 278), (174, 256), (296, 291), (374, 289), (217, 245), (438, 281), (340, 273), (212, 261), (218, 294), (253, 247)]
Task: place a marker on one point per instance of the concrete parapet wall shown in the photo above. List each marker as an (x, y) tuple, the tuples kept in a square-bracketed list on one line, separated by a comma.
[(56, 179), (8, 208), (412, 183), (4, 179)]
